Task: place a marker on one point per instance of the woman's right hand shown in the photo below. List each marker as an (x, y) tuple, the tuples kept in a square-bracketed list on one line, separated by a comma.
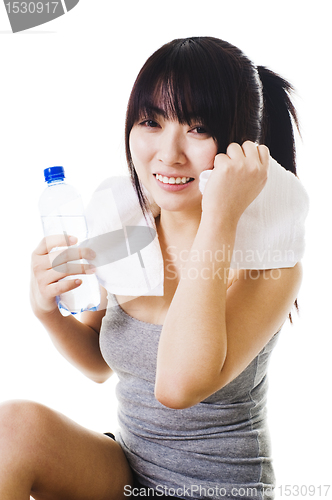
[(236, 180), (46, 282)]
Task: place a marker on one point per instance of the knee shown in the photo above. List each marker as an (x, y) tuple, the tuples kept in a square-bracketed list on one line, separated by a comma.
[(19, 423)]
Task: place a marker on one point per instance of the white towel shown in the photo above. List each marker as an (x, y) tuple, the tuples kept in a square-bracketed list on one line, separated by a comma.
[(111, 215), (270, 232)]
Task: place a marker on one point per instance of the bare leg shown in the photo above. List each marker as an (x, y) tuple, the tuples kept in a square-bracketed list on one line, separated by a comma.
[(49, 456)]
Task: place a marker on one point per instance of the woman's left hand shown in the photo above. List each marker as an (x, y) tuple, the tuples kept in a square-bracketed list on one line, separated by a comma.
[(236, 180)]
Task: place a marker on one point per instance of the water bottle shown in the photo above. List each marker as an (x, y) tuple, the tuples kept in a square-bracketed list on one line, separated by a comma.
[(62, 212)]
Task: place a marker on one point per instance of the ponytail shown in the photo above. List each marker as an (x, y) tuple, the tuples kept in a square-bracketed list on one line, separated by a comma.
[(278, 113), (277, 127)]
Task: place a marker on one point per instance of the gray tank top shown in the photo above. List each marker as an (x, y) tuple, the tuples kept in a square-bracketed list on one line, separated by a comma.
[(217, 448)]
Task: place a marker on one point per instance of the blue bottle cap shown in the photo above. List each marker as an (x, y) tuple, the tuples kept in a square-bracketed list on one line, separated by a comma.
[(54, 173)]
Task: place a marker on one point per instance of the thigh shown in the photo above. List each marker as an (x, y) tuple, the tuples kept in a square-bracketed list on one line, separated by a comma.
[(67, 460)]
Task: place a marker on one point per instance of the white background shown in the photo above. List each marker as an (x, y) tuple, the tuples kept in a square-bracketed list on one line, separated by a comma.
[(63, 93)]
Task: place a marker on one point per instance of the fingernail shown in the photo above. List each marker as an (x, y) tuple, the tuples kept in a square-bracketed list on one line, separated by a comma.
[(90, 254), (72, 240), (90, 270)]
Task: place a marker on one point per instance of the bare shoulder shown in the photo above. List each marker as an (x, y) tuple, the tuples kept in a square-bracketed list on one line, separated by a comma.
[(286, 279), (264, 296), (258, 304), (275, 278)]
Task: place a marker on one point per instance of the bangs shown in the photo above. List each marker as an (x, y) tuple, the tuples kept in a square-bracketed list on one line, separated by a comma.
[(199, 79), (183, 84), (173, 99)]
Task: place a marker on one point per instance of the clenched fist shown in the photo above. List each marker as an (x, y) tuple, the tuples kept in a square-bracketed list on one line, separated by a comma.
[(236, 180)]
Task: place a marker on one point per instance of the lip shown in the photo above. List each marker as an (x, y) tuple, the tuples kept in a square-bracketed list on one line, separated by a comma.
[(172, 187)]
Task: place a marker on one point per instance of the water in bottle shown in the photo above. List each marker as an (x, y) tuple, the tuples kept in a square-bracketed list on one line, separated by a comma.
[(62, 212)]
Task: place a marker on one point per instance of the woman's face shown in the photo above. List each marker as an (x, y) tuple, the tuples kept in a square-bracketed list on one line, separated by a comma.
[(169, 157)]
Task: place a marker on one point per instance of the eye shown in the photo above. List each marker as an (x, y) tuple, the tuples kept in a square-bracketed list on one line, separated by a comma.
[(200, 129), (149, 124)]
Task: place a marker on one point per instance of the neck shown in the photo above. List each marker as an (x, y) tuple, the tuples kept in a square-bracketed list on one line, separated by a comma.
[(178, 226)]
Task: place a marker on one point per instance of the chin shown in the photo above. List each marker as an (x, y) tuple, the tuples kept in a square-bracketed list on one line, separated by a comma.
[(176, 206), (179, 201)]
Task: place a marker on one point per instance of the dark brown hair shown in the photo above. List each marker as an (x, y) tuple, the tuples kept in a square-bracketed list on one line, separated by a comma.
[(210, 80)]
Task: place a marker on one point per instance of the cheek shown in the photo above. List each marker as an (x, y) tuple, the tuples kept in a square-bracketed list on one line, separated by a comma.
[(140, 148), (205, 156)]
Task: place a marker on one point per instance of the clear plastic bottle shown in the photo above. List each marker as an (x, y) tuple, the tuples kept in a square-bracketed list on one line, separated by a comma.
[(62, 212)]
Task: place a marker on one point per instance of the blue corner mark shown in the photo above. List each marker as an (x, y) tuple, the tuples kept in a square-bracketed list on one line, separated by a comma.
[(28, 14)]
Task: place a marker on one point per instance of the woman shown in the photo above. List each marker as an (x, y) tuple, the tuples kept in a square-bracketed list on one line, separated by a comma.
[(192, 371)]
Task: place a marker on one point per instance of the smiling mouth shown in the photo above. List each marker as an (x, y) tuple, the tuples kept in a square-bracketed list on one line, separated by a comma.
[(173, 180)]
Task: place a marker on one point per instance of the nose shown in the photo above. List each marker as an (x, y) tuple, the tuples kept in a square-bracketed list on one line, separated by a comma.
[(171, 146)]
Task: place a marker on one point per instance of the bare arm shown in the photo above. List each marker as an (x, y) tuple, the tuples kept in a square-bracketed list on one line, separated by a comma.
[(77, 340), (211, 334)]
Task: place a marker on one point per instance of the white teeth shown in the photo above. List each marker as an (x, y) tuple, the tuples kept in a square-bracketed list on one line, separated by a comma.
[(172, 180)]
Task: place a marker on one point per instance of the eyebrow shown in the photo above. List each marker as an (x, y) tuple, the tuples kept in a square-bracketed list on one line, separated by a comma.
[(155, 110)]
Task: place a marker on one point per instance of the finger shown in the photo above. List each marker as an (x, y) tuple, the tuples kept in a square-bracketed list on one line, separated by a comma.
[(59, 257), (55, 240), (220, 159), (63, 286), (40, 263), (70, 269), (234, 151), (250, 150), (52, 276), (264, 154), (47, 283)]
